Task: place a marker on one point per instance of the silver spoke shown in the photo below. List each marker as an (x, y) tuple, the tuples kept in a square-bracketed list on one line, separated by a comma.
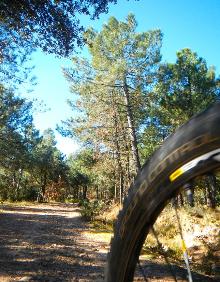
[(183, 247), (163, 253)]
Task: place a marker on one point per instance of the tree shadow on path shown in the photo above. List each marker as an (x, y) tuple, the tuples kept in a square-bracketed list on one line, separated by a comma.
[(46, 245)]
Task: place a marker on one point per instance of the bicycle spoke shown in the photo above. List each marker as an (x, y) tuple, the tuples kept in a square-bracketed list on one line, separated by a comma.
[(184, 249), (163, 253)]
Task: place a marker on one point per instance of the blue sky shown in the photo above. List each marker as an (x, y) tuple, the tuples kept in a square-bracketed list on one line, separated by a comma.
[(185, 23)]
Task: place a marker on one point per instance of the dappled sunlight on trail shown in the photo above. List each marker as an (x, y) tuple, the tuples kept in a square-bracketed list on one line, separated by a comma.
[(45, 243)]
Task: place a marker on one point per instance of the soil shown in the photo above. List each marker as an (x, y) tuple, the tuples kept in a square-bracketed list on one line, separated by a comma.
[(51, 242)]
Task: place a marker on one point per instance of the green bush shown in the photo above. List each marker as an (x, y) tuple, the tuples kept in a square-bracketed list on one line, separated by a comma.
[(90, 209), (30, 194)]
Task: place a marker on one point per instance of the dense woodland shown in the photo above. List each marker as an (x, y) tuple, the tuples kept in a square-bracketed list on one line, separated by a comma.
[(128, 101)]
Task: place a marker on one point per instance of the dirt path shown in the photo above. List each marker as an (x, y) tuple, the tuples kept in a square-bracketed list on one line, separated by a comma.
[(49, 243)]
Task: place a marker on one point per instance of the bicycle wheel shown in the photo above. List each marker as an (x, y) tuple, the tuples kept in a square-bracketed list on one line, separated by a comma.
[(193, 150)]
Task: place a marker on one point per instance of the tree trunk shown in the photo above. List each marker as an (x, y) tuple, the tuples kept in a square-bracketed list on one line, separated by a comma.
[(131, 128), (129, 176), (41, 193), (18, 184), (85, 192), (121, 194), (211, 191), (180, 200), (97, 192), (118, 157)]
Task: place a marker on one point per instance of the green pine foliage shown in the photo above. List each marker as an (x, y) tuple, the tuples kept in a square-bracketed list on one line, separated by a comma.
[(128, 101)]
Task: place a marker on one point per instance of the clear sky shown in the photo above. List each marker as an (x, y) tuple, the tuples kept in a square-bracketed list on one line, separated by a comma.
[(185, 23)]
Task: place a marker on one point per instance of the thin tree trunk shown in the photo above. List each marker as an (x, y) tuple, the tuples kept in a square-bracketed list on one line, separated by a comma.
[(118, 157), (180, 200), (41, 194), (97, 192), (211, 191), (20, 174), (128, 167), (131, 128), (85, 192), (115, 190)]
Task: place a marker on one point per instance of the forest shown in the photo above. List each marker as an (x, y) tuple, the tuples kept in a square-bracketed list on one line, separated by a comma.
[(58, 212), (126, 102)]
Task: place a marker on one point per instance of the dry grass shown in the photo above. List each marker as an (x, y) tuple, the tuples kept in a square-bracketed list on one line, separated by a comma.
[(201, 233), (109, 214)]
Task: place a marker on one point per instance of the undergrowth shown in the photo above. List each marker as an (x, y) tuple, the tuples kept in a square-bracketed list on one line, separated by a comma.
[(90, 208), (201, 230)]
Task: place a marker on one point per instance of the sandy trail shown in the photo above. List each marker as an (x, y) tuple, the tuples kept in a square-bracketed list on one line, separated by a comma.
[(49, 243)]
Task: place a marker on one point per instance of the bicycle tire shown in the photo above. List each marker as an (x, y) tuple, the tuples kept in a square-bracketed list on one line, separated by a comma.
[(196, 144)]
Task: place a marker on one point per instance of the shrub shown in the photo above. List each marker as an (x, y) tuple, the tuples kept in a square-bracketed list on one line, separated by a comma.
[(90, 209)]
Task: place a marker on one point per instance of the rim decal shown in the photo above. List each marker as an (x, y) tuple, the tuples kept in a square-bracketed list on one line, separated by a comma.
[(188, 166), (176, 174)]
